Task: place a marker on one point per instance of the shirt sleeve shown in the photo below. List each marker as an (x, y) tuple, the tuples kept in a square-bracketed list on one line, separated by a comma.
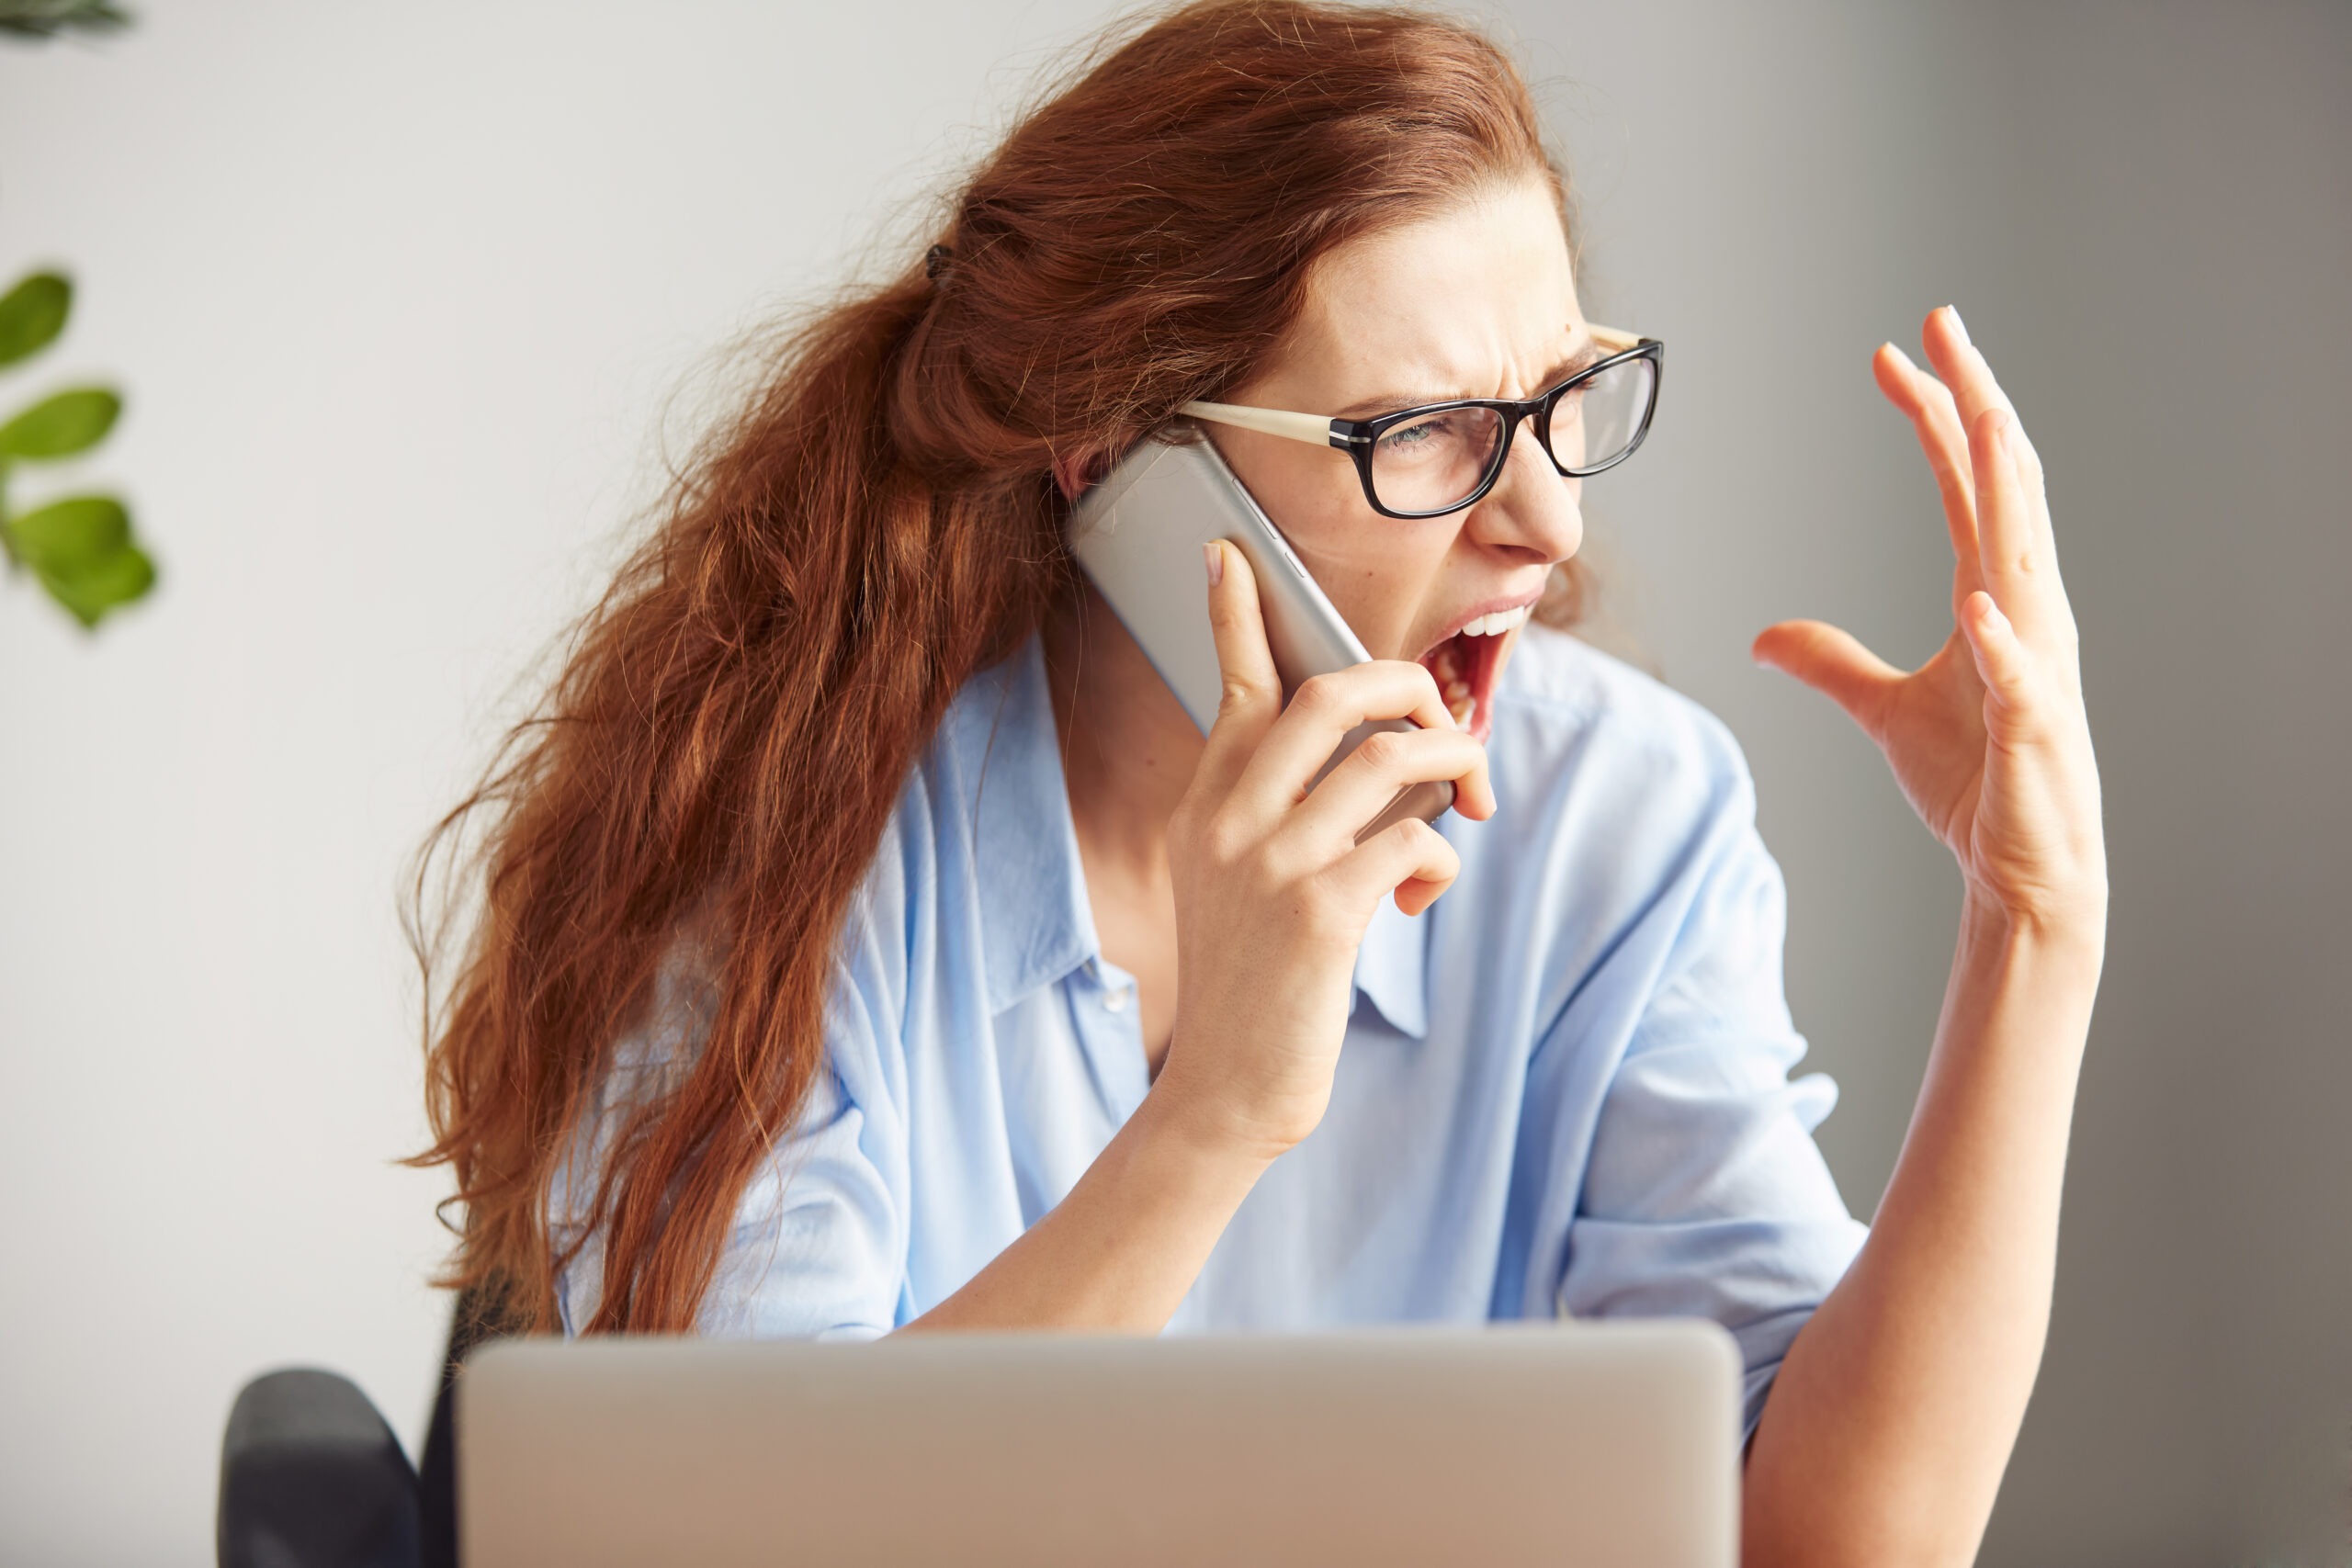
[(1704, 1193), (818, 1244)]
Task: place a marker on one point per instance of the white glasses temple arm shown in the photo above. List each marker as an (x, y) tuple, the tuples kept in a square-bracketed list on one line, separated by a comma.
[(1308, 427)]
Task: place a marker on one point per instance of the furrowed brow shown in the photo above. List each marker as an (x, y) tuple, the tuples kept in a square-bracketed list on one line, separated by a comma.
[(1584, 358)]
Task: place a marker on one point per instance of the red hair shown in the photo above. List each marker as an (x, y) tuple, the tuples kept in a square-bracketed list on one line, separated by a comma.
[(735, 719)]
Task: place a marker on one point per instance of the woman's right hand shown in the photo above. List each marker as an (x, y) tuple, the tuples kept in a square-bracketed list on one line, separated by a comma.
[(1273, 892)]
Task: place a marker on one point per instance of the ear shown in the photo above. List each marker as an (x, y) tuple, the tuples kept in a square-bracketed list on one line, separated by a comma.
[(1073, 473)]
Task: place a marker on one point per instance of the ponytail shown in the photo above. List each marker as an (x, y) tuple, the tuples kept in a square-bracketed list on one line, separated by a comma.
[(737, 716)]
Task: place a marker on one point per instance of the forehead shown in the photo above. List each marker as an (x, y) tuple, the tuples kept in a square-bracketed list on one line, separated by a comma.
[(1467, 302)]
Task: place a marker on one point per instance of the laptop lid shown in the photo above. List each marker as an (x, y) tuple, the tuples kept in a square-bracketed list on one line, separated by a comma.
[(1584, 1442)]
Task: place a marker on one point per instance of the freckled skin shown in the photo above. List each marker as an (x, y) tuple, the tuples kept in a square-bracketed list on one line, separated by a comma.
[(1477, 301)]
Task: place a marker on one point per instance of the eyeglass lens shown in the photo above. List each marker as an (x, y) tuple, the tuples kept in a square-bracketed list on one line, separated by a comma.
[(1438, 461)]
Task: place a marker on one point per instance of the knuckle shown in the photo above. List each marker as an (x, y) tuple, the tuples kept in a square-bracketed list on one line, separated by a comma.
[(1385, 751), (1238, 693), (1318, 696), (1222, 841), (1420, 839), (1281, 864)]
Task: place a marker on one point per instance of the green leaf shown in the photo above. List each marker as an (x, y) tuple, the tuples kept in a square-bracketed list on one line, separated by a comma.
[(60, 425), (70, 537), (80, 549), (49, 19), (96, 587), (32, 314)]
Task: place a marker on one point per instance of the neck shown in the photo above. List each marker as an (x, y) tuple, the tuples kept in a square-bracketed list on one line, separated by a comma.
[(1128, 748)]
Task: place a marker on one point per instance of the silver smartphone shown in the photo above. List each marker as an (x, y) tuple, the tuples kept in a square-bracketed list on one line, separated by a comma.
[(1138, 537)]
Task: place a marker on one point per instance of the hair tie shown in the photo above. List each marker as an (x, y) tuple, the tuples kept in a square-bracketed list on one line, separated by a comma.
[(937, 260)]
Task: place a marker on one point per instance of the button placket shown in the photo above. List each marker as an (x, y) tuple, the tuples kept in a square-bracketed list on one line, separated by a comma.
[(1113, 1032)]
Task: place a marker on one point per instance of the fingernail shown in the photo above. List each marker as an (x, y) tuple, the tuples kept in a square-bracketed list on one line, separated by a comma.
[(1215, 559), (1957, 325)]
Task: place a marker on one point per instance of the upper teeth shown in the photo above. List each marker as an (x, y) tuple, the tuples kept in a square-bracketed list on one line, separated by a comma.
[(1494, 625)]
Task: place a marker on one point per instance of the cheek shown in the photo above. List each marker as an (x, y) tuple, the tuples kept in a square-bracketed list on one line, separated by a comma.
[(1378, 573), (1374, 569)]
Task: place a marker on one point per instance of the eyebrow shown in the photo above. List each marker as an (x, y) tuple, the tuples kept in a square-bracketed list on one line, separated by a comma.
[(1592, 354)]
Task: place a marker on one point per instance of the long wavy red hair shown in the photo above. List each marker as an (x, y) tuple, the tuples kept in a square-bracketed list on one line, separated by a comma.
[(734, 721)]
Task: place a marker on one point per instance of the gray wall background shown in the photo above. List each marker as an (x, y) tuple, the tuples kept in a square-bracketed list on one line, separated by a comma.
[(404, 297)]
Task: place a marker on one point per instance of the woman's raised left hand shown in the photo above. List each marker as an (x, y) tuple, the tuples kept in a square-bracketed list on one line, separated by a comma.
[(1988, 738)]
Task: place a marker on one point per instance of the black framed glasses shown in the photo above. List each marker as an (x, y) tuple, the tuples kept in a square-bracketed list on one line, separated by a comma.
[(1440, 458)]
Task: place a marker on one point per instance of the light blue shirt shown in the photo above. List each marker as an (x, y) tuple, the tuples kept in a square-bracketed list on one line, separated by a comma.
[(1564, 1088)]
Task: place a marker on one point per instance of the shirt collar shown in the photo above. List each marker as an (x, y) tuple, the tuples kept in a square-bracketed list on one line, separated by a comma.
[(1036, 926), (1392, 967), (1002, 751)]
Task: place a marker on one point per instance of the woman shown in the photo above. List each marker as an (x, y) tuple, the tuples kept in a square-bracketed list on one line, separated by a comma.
[(872, 944)]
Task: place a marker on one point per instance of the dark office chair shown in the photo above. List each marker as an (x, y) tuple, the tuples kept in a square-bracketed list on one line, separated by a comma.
[(312, 1477)]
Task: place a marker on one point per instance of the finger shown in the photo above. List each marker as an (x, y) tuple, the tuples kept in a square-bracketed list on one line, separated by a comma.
[(1361, 788), (2044, 617), (1927, 403), (2003, 664), (1831, 661), (1408, 858), (2017, 571), (1963, 368), (1251, 695), (1322, 711), (1964, 364)]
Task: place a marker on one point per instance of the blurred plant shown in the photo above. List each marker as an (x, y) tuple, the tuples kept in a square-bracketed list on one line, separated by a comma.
[(47, 19), (80, 548)]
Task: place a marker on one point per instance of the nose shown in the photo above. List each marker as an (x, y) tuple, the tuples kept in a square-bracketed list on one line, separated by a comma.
[(1533, 510)]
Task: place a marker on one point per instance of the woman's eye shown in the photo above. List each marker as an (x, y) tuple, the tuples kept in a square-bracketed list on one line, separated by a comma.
[(1411, 439)]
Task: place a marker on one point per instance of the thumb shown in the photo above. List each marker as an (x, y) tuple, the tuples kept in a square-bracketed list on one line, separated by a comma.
[(1832, 662)]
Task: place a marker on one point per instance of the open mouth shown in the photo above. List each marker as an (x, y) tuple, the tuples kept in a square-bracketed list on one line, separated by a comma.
[(1465, 665)]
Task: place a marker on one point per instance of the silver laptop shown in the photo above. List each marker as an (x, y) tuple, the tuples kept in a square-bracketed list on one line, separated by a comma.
[(1596, 1443)]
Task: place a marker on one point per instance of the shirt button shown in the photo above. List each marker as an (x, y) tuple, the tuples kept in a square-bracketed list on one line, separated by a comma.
[(1117, 1000)]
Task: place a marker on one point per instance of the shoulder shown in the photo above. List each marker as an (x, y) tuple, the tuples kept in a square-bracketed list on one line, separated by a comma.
[(1573, 723), (1623, 844), (1624, 821), (924, 849)]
